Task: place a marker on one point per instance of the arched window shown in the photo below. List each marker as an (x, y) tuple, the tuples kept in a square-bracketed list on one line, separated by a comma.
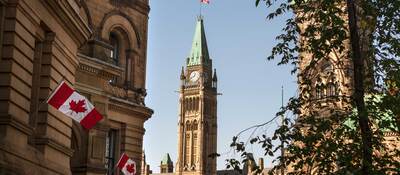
[(187, 104), (326, 67), (197, 103), (192, 104), (194, 149), (188, 128), (187, 149), (319, 91), (332, 89), (195, 126), (115, 50)]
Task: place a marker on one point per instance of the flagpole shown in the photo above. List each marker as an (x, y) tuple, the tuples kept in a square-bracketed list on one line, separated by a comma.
[(51, 94), (200, 8)]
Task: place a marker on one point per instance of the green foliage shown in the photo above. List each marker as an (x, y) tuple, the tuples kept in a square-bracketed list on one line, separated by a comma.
[(326, 139)]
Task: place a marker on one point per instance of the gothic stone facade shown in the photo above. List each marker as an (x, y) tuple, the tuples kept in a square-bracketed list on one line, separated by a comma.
[(197, 126), (330, 82), (97, 46)]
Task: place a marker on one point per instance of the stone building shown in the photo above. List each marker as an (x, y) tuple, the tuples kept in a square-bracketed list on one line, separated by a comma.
[(98, 47), (326, 86), (197, 125), (145, 169), (166, 165)]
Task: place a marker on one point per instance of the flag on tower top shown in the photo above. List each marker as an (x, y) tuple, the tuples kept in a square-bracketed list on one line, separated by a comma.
[(68, 101), (126, 165), (205, 1)]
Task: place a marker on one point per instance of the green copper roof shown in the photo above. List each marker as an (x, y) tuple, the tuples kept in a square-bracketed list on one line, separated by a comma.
[(199, 46), (166, 160), (385, 117)]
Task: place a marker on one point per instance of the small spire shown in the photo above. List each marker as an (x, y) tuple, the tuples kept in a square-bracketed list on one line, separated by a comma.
[(166, 160), (182, 74), (215, 75)]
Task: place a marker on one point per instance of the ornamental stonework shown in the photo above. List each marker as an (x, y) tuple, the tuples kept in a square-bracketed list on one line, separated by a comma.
[(99, 48)]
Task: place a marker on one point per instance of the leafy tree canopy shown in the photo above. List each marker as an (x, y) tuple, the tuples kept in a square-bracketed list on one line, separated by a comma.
[(345, 133)]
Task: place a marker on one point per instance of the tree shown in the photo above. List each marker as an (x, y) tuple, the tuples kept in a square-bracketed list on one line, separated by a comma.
[(346, 131)]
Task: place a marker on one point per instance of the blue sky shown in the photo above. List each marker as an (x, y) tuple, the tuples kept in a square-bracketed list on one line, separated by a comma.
[(239, 40)]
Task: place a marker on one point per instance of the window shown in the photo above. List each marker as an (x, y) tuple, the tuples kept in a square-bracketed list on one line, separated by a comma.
[(115, 50), (187, 149), (332, 89), (326, 67), (111, 142), (194, 148), (197, 104), (188, 128), (194, 126), (113, 80), (35, 91), (319, 91)]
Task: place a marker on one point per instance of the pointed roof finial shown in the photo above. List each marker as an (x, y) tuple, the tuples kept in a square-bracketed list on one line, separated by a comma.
[(215, 75), (182, 74), (199, 49), (166, 160)]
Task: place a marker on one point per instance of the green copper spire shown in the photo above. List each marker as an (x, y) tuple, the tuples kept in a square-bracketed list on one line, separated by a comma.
[(199, 49), (166, 160)]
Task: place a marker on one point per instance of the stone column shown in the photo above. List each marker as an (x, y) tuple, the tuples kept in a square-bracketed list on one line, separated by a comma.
[(202, 147), (179, 163)]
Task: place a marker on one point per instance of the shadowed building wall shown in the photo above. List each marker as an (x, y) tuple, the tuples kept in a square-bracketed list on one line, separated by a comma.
[(99, 47)]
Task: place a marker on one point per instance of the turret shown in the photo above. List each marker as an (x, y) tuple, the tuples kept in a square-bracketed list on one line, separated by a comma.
[(182, 77), (214, 79), (166, 166)]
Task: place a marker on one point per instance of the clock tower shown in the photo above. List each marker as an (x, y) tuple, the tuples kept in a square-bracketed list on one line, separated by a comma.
[(197, 126)]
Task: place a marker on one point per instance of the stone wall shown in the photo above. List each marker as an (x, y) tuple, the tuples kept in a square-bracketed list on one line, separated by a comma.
[(45, 42)]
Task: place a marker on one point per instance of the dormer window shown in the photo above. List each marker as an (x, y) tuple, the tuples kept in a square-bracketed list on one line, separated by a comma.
[(114, 54)]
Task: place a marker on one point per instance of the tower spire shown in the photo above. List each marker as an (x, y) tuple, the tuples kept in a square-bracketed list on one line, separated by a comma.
[(215, 75), (182, 74), (199, 52), (196, 140)]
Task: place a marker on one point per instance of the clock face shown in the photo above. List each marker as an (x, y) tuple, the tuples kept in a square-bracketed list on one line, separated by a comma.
[(194, 76)]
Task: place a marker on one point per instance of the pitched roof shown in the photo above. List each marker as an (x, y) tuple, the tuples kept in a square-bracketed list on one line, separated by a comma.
[(199, 49), (166, 160)]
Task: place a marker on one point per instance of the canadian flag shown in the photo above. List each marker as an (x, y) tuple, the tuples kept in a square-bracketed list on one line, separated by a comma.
[(127, 165), (76, 106), (205, 1)]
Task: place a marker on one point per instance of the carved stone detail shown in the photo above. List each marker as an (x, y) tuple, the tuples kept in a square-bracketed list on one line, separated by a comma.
[(115, 90)]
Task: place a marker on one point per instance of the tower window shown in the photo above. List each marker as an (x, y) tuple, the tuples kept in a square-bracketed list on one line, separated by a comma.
[(187, 149), (188, 128), (114, 54), (194, 126), (194, 148), (327, 67), (319, 91), (332, 89)]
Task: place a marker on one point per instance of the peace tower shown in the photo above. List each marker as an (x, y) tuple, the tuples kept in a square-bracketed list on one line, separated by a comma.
[(197, 126)]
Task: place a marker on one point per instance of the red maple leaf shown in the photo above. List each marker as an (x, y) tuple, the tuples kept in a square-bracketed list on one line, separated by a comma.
[(77, 107), (130, 168)]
